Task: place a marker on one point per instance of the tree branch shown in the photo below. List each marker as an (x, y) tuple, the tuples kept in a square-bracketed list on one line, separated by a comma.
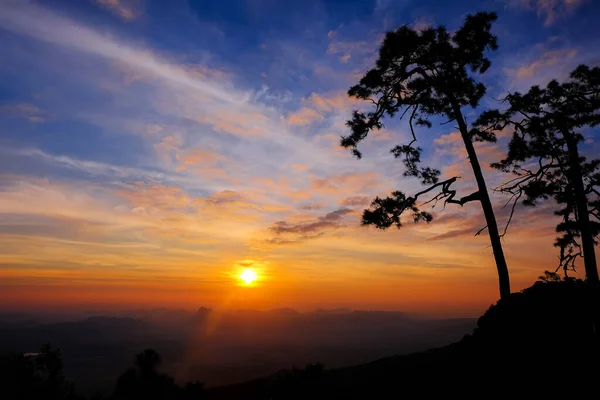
[(410, 123), (481, 230), (385, 212), (516, 198), (448, 194)]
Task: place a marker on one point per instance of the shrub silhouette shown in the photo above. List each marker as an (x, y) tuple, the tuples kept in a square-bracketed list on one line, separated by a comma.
[(144, 381)]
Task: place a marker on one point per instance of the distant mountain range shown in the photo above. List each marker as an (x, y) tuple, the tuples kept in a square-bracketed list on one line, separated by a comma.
[(226, 347)]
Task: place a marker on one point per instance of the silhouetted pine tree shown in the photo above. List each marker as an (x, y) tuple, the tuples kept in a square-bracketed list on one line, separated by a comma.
[(422, 74), (544, 156)]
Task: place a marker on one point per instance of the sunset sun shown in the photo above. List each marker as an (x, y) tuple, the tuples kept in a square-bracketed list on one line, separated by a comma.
[(248, 276)]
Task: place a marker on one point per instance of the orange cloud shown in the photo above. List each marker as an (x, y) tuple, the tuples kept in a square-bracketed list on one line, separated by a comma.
[(300, 167), (156, 198), (281, 186), (450, 143), (385, 134), (196, 157), (547, 60), (304, 116), (248, 124), (345, 184), (207, 164), (167, 146), (316, 106), (329, 102)]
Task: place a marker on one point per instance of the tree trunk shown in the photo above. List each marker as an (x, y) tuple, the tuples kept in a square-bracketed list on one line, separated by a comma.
[(581, 209), (583, 221), (486, 205)]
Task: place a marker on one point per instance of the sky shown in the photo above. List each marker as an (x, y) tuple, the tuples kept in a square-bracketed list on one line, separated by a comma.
[(152, 150)]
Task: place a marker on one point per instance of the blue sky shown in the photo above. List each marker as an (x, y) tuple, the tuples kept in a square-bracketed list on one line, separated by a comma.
[(172, 140)]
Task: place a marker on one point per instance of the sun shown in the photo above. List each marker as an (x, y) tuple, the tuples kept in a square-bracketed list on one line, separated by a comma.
[(248, 275)]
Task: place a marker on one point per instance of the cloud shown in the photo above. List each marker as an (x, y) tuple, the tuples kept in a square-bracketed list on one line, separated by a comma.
[(224, 197), (195, 157), (330, 102), (456, 222), (186, 91), (304, 116), (348, 47), (542, 62), (57, 227), (354, 201), (158, 200), (347, 183), (450, 143), (95, 168), (172, 201), (308, 229), (168, 145), (194, 160), (63, 210), (313, 206), (547, 59), (422, 23), (361, 50), (456, 233), (300, 167), (128, 10), (317, 107), (549, 10), (25, 110), (140, 234)]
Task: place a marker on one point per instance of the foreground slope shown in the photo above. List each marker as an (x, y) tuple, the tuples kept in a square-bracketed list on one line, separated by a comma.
[(539, 342)]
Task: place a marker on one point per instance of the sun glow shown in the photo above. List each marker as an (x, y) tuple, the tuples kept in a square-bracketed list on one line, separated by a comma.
[(248, 275)]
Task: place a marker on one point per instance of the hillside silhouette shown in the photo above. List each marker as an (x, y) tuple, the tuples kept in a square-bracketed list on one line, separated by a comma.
[(541, 341)]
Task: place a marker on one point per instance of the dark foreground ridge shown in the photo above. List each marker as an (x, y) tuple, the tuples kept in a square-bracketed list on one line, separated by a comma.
[(539, 342)]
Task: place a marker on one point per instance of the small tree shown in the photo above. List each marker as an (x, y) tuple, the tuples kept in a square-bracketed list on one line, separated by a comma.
[(145, 381), (544, 156), (422, 74)]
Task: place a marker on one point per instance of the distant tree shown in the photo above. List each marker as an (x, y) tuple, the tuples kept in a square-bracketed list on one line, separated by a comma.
[(148, 361), (145, 381), (544, 157), (422, 74), (549, 276)]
